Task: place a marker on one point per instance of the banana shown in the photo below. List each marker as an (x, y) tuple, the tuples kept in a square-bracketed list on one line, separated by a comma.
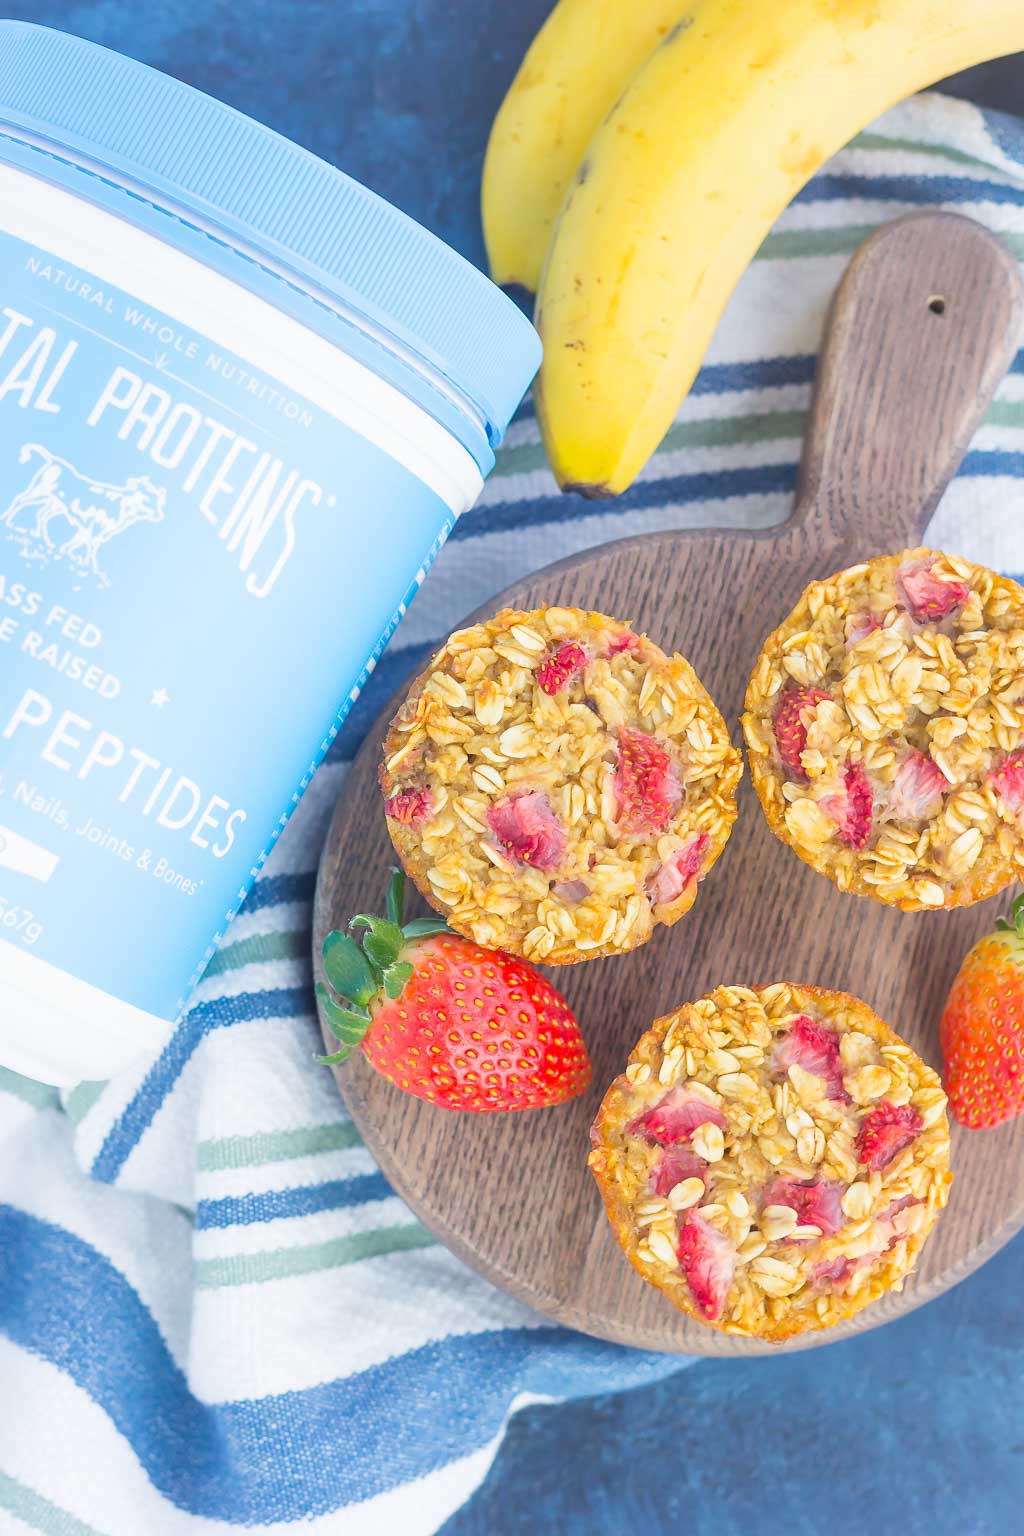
[(575, 69), (714, 135)]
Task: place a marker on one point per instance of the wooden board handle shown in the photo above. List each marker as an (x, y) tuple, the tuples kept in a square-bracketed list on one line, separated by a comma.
[(922, 328)]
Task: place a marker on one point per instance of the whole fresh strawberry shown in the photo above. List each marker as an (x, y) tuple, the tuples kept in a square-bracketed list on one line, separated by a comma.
[(441, 1018), (982, 1029)]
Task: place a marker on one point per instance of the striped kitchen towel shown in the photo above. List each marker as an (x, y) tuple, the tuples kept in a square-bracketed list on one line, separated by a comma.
[(213, 1310)]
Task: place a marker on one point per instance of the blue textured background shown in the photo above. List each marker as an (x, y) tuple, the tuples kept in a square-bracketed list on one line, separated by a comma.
[(917, 1429)]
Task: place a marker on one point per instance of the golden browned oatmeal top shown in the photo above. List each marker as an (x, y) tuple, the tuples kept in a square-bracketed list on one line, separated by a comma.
[(773, 1158), (885, 724), (557, 785)]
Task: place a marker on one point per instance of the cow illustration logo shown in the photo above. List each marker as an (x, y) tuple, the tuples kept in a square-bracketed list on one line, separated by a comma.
[(86, 513)]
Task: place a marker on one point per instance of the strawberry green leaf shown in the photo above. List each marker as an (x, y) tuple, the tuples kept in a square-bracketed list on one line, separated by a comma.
[(346, 1031), (395, 978), (382, 949), (1015, 922), (378, 925), (396, 897), (390, 933), (346, 1024), (382, 943), (334, 1059), (347, 968), (422, 927)]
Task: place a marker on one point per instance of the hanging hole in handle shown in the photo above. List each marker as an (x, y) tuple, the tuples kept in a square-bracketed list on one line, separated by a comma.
[(937, 304)]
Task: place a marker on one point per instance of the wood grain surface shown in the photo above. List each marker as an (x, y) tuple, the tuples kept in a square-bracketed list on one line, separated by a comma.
[(922, 329)]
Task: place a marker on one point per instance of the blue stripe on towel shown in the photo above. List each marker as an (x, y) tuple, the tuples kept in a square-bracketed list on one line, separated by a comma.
[(673, 490), (300, 1200), (139, 1113), (992, 461), (920, 190), (296, 1454), (275, 889), (731, 378)]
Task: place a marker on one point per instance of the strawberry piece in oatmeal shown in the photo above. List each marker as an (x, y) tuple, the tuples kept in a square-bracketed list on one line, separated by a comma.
[(859, 625), (561, 667), (884, 1133), (814, 1047), (676, 1118), (673, 1166), (927, 596), (647, 787), (888, 1216), (832, 1271), (625, 640), (817, 1202), (671, 879), (411, 806), (1007, 783), (708, 1261), (791, 727), (527, 830), (917, 789), (851, 807)]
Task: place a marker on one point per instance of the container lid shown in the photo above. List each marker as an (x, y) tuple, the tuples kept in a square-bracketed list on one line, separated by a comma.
[(133, 123)]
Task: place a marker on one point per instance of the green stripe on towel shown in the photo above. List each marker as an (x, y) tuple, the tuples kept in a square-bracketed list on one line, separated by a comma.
[(923, 147), (40, 1514), (275, 1146), (81, 1100), (791, 244), (287, 945), (284, 1263), (713, 432), (39, 1095)]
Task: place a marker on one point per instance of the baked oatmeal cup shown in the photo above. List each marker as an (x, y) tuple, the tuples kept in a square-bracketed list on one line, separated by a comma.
[(557, 785), (772, 1158), (885, 729)]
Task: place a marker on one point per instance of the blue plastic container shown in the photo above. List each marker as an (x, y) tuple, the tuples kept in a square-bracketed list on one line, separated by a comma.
[(242, 402)]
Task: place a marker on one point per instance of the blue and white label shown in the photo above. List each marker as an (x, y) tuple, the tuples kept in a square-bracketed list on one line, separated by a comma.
[(197, 564)]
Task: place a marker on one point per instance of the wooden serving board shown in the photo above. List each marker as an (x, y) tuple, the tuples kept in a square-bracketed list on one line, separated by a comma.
[(922, 329)]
